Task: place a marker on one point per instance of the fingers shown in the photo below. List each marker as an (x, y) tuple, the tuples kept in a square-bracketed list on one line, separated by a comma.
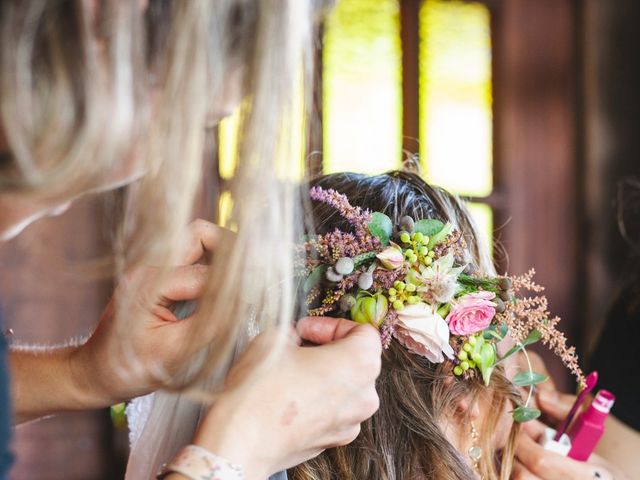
[(321, 330), (520, 472), (554, 404), (548, 465), (202, 238), (186, 282)]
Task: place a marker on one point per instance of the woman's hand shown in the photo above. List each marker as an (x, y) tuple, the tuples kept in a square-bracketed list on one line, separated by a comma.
[(103, 370), (153, 338), (533, 462), (308, 399)]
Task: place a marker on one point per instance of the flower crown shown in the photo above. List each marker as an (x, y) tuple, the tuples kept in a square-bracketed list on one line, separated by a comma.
[(418, 286)]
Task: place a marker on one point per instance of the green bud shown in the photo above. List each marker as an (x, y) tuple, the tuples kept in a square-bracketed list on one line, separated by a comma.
[(457, 371), (398, 305), (405, 237), (370, 309)]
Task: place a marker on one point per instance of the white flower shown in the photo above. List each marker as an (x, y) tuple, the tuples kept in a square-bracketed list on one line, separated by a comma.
[(439, 280), (423, 331)]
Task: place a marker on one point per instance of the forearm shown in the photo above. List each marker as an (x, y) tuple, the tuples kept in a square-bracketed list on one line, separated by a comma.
[(45, 381)]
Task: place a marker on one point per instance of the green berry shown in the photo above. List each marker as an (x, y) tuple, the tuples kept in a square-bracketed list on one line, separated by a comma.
[(405, 237), (472, 364), (425, 240), (398, 305), (457, 371), (472, 340), (431, 254), (401, 286), (410, 287), (462, 355), (464, 366), (467, 347), (428, 261), (413, 299), (418, 237), (424, 251), (392, 291), (392, 298)]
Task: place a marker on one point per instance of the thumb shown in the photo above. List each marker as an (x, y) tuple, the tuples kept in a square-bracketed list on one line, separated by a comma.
[(321, 330), (555, 404)]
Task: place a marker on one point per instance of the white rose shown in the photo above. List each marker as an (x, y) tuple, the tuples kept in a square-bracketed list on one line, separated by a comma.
[(423, 331)]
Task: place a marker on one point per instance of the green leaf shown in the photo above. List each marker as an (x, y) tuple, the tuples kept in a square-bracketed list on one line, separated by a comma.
[(528, 378), (314, 278), (380, 226), (495, 331), (440, 236), (486, 361), (525, 414), (532, 338), (511, 351), (358, 260), (428, 227)]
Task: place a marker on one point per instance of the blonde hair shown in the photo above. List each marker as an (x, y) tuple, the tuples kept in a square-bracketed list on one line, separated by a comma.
[(86, 87)]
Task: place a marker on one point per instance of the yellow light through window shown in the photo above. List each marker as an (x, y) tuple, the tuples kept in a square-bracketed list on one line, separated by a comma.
[(362, 106), (455, 104)]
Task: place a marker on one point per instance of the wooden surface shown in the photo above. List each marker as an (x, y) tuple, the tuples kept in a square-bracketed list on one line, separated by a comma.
[(46, 298), (535, 146)]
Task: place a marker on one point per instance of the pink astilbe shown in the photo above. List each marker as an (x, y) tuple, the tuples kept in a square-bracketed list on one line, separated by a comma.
[(526, 314), (388, 328), (356, 216)]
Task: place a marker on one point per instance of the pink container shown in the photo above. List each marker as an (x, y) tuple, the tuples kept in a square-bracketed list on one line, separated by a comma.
[(586, 431)]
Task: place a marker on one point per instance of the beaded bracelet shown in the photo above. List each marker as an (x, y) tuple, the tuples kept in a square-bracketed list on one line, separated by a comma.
[(196, 463)]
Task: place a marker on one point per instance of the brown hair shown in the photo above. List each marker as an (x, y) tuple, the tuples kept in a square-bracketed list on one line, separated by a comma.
[(406, 438)]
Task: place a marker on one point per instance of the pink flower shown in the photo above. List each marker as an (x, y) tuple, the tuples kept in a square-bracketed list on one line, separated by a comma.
[(472, 313), (422, 331), (391, 257)]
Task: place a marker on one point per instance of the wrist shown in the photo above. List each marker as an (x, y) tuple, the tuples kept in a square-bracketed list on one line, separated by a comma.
[(225, 433), (88, 385)]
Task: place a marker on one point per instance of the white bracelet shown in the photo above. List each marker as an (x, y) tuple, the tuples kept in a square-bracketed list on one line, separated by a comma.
[(197, 463)]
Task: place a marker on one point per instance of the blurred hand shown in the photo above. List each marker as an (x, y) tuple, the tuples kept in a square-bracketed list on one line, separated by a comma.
[(535, 463), (307, 400), (153, 337)]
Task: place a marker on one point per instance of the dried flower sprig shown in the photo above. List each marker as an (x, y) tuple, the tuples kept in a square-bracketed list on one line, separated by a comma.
[(523, 315)]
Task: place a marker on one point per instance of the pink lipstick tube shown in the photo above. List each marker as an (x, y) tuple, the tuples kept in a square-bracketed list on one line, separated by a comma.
[(586, 431)]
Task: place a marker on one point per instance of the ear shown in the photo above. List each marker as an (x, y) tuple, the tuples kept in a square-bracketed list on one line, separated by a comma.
[(468, 407)]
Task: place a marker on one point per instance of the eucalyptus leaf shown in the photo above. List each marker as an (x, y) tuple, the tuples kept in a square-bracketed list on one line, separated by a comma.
[(380, 226), (428, 227), (314, 278), (525, 414), (528, 378)]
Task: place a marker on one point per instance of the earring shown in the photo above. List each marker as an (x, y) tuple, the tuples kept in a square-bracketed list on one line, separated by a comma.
[(475, 452)]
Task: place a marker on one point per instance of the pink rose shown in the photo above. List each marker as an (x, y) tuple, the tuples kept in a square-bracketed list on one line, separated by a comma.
[(472, 313), (422, 331)]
